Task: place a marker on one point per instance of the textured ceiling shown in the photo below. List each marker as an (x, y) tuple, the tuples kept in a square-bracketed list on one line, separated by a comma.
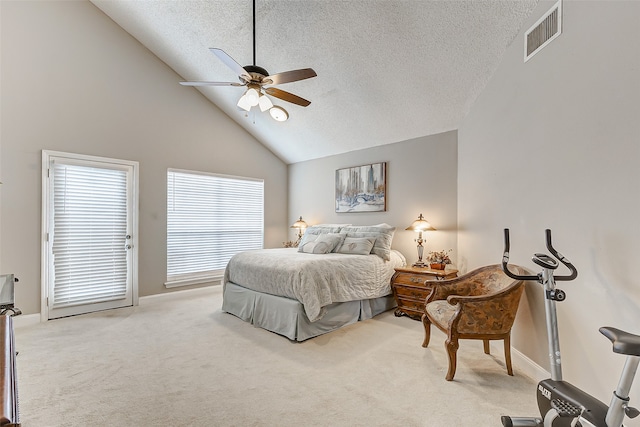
[(388, 70)]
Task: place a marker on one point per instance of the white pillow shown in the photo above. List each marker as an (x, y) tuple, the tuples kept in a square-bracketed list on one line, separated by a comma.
[(306, 238), (357, 245), (324, 228), (324, 244), (382, 233), (334, 240)]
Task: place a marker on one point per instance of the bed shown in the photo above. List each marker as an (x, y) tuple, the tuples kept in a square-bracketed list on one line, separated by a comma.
[(339, 274)]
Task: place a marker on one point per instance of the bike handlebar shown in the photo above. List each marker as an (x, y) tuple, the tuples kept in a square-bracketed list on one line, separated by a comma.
[(505, 260), (562, 259), (540, 259)]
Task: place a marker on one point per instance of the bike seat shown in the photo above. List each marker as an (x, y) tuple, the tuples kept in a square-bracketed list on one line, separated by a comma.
[(623, 342)]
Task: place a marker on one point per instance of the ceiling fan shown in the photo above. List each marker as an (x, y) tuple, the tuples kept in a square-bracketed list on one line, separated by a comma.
[(259, 82)]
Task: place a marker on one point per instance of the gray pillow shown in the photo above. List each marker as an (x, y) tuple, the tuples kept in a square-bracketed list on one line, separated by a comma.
[(382, 233), (324, 228), (334, 240), (321, 245), (357, 245), (306, 238)]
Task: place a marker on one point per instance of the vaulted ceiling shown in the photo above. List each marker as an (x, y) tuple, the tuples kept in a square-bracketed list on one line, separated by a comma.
[(388, 70)]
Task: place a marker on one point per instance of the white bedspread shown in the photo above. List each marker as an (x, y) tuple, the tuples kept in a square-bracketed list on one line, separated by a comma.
[(314, 280)]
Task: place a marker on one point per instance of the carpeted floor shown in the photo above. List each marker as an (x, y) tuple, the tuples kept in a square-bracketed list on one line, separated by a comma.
[(182, 361)]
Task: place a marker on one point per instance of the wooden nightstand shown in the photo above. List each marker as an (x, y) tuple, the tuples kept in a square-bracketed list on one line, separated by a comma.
[(411, 287)]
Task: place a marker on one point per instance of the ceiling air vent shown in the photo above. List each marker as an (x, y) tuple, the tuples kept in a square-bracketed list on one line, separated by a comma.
[(542, 32)]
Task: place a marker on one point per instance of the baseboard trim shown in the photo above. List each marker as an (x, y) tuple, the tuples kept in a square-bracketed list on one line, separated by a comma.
[(173, 294), (528, 366), (521, 362)]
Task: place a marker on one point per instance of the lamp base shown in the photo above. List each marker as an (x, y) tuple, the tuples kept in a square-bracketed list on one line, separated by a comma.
[(420, 264)]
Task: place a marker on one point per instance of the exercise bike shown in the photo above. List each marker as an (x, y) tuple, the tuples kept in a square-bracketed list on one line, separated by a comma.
[(560, 403)]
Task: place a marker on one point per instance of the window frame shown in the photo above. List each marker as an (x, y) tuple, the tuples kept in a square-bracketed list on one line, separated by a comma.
[(216, 274)]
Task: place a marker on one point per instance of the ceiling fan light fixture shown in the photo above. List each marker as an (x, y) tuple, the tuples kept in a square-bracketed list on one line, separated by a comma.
[(254, 78), (265, 103), (252, 96), (244, 103), (278, 113)]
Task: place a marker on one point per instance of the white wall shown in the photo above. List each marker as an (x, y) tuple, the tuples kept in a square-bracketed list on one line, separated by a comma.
[(421, 178), (72, 80), (555, 143)]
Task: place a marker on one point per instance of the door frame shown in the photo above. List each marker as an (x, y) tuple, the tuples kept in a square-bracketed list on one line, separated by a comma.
[(47, 215)]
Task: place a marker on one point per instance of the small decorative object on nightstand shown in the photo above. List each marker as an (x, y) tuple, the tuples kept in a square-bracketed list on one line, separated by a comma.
[(438, 260), (411, 287), (420, 225)]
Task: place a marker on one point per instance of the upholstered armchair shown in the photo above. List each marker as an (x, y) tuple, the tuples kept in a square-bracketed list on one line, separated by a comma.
[(481, 305)]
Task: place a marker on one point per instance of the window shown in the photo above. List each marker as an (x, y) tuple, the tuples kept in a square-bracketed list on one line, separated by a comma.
[(210, 218)]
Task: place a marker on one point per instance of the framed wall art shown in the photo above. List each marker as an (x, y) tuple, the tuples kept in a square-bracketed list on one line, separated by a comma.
[(362, 188)]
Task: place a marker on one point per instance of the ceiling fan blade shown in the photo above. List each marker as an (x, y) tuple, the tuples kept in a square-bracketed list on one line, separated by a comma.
[(290, 76), (231, 63), (286, 96), (210, 84)]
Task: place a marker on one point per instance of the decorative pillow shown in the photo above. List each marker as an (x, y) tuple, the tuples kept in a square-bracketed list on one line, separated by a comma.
[(383, 234), (311, 233), (357, 245), (333, 240), (306, 238), (316, 247)]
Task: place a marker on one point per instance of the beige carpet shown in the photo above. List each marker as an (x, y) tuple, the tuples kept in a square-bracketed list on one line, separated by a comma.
[(181, 361)]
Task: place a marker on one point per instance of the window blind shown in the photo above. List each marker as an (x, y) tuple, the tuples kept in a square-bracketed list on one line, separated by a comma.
[(89, 229), (210, 218)]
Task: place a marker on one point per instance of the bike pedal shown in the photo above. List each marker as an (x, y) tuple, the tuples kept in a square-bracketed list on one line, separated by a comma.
[(565, 409), (631, 412)]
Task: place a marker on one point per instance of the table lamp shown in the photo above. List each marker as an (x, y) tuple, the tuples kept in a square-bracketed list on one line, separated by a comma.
[(419, 226), (300, 225)]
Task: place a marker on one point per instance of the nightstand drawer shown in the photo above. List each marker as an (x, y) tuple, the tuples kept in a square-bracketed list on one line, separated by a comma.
[(410, 279), (413, 308), (412, 292)]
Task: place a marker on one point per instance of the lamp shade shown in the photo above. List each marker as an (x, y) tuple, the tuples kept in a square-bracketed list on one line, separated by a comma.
[(300, 224), (244, 103), (252, 96), (420, 224), (264, 102)]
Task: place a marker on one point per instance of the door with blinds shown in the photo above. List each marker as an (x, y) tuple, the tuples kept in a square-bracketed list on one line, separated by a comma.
[(89, 234)]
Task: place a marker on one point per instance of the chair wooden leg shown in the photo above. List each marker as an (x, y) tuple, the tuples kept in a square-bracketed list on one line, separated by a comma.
[(507, 354), (427, 330), (487, 349), (451, 345)]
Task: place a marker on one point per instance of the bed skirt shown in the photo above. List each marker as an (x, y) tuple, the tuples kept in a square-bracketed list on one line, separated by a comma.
[(286, 316)]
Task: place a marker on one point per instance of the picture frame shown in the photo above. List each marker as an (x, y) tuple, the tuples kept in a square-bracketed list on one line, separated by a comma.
[(361, 188)]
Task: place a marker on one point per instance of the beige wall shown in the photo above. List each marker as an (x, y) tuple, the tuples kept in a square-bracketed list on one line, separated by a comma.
[(421, 178), (555, 143), (72, 80)]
